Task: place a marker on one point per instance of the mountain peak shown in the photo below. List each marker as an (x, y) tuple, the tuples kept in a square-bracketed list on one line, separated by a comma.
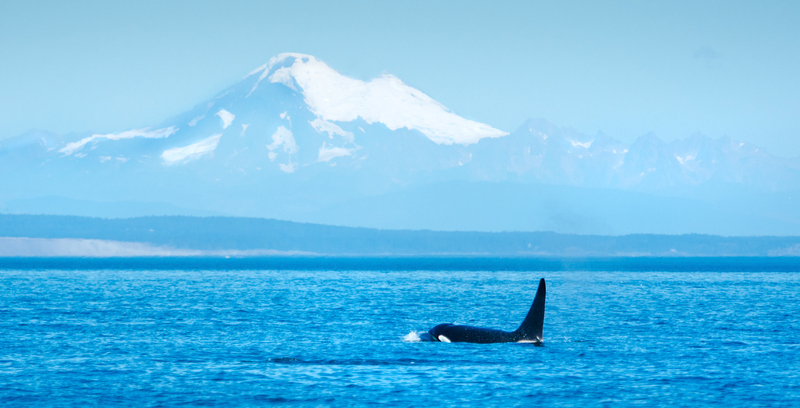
[(332, 96)]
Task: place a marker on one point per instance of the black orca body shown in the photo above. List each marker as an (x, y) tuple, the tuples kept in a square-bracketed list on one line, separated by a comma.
[(530, 331)]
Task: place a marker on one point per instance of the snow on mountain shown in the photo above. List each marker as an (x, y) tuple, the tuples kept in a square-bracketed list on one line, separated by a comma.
[(73, 147), (293, 112), (387, 100), (227, 118), (294, 138), (297, 115), (192, 151)]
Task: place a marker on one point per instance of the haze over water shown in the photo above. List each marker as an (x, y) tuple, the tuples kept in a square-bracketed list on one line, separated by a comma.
[(136, 337)]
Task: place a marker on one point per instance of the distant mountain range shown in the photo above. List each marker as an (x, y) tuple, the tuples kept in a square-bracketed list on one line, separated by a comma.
[(296, 140)]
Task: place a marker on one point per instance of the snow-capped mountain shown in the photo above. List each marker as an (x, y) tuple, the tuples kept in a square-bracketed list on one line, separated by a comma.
[(295, 139), (292, 112)]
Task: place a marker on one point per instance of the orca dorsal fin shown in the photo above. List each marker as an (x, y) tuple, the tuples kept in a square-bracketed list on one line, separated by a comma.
[(531, 327)]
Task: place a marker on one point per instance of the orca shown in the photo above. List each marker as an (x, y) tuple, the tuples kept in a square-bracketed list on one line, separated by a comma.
[(530, 331)]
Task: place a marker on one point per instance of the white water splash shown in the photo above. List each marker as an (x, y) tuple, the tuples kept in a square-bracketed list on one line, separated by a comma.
[(412, 337)]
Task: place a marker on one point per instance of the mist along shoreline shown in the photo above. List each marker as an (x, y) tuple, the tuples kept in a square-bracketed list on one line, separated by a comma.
[(410, 263)]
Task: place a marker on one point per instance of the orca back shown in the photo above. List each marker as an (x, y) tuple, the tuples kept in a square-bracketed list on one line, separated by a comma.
[(530, 331)]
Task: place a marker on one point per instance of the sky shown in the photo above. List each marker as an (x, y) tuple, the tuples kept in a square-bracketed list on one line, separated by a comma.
[(672, 68)]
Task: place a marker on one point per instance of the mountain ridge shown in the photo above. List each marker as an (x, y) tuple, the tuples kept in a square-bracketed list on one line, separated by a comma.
[(295, 139)]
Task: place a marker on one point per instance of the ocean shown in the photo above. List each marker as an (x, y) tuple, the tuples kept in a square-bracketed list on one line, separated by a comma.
[(345, 332)]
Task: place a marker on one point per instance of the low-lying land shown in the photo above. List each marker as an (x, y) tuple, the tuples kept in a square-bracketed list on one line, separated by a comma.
[(47, 235)]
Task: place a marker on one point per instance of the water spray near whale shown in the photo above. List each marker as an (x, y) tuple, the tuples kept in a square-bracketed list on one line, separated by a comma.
[(530, 331)]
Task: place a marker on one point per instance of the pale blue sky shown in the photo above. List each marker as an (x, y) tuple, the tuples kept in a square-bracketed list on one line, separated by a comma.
[(625, 68)]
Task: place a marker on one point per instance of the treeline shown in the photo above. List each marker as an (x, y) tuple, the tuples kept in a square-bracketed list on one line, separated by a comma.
[(235, 233)]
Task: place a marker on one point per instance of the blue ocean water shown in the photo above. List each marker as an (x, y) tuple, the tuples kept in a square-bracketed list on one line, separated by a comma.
[(342, 336)]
